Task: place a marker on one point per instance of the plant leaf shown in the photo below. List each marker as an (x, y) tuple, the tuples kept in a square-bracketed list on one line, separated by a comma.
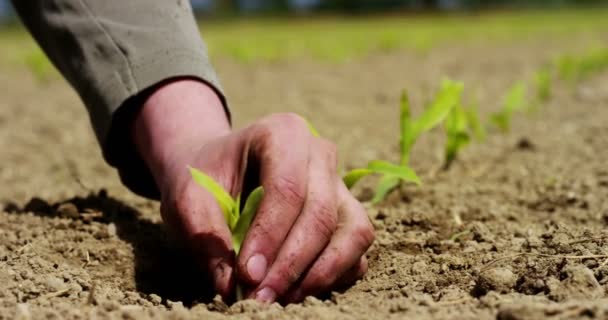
[(386, 184), (249, 210), (405, 124), (515, 98), (444, 101), (447, 97), (477, 127), (501, 120), (387, 168), (542, 80), (225, 201), (456, 126), (353, 176)]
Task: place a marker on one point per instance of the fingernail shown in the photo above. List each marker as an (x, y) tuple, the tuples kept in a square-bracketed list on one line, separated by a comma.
[(256, 267), (266, 295)]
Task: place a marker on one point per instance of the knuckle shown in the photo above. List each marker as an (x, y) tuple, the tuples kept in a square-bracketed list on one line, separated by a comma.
[(286, 122), (323, 219), (288, 190), (262, 131), (363, 235), (324, 274), (284, 276), (330, 151), (265, 232), (329, 146), (291, 274), (290, 119)]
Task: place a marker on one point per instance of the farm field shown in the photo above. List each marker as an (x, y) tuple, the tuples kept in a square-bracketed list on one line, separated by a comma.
[(516, 228)]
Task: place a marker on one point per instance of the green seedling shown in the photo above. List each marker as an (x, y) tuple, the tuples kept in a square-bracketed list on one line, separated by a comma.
[(238, 221), (514, 102), (447, 97), (411, 129), (457, 131), (542, 80), (577, 68), (474, 121), (384, 168)]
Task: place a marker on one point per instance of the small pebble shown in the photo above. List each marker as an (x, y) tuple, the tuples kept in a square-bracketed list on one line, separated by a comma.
[(68, 210), (155, 299)]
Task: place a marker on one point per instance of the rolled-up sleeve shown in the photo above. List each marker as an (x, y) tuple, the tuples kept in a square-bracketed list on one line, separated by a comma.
[(112, 52)]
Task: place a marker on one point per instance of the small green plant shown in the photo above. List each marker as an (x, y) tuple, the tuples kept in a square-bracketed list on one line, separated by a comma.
[(576, 68), (411, 129), (457, 130), (238, 221), (514, 101), (542, 80), (474, 121)]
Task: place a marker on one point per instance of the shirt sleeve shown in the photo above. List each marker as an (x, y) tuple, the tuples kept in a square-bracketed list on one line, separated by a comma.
[(113, 52)]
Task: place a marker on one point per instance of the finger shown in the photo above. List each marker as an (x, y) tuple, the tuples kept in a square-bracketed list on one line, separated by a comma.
[(281, 146), (351, 276), (312, 230), (196, 218), (353, 237)]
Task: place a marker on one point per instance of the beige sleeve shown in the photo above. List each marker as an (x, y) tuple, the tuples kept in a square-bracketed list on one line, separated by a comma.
[(111, 52)]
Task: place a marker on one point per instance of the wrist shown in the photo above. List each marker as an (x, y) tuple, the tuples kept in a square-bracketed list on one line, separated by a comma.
[(179, 116)]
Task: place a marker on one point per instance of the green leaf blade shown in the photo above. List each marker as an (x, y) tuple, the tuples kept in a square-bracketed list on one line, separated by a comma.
[(457, 132), (515, 100), (246, 217), (353, 176), (386, 184), (405, 125), (225, 201), (386, 168), (445, 100), (472, 114)]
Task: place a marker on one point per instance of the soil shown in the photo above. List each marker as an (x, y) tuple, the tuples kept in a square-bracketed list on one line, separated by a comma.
[(516, 229)]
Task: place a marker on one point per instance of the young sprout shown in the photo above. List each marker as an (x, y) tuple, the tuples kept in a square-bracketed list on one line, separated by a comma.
[(447, 97), (411, 129), (542, 80), (566, 68), (514, 102), (457, 130), (473, 119), (576, 68), (238, 221)]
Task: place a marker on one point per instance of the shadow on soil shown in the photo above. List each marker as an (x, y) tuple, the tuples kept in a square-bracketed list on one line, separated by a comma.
[(159, 267)]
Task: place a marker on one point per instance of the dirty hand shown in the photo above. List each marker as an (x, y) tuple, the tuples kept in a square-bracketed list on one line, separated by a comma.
[(309, 235)]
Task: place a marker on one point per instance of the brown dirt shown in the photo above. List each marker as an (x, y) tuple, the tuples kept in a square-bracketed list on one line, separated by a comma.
[(497, 236)]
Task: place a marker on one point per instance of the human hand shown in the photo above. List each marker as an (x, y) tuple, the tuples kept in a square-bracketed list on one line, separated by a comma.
[(309, 234)]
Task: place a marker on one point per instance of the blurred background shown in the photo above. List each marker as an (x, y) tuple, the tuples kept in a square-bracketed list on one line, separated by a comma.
[(226, 7)]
